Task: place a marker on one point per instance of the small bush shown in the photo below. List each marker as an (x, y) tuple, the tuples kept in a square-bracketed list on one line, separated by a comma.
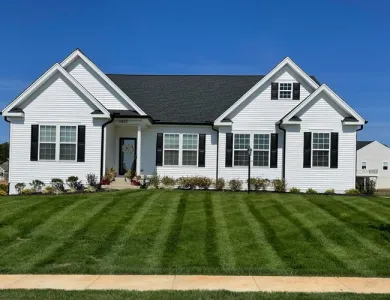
[(27, 192), (235, 185), (280, 185), (352, 192), (20, 187), (259, 184), (130, 174), (4, 187), (90, 189), (57, 184), (295, 190), (168, 181), (92, 180), (370, 187), (37, 185), (48, 190), (204, 183), (111, 174), (3, 193), (187, 182), (311, 191), (154, 181), (329, 192), (74, 183), (219, 184)]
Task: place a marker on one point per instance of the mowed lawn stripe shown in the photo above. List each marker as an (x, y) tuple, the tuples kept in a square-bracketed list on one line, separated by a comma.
[(223, 240), (211, 228), (369, 210)]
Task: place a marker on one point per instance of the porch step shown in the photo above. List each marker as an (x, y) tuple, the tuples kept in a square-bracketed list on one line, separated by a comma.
[(120, 184)]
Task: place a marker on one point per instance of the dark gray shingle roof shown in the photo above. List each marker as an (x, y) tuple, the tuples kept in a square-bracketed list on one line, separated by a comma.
[(185, 98), (361, 144)]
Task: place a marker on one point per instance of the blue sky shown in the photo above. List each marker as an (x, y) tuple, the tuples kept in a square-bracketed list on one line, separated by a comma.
[(344, 43)]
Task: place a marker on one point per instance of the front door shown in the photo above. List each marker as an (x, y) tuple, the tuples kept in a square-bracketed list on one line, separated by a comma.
[(127, 154)]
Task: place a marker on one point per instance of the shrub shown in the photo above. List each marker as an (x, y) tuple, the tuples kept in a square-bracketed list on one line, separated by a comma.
[(261, 184), (57, 184), (20, 187), (168, 181), (27, 191), (37, 185), (280, 185), (352, 192), (219, 184), (370, 187), (329, 192), (187, 182), (74, 183), (112, 173), (295, 190), (48, 190), (235, 185), (92, 180), (154, 181), (3, 193), (4, 187), (90, 189), (130, 174), (311, 191), (204, 183)]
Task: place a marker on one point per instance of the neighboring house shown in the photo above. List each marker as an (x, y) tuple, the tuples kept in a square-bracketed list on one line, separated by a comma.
[(76, 120), (373, 160), (4, 171)]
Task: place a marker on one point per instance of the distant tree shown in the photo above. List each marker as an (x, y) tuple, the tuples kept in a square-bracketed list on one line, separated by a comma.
[(4, 152)]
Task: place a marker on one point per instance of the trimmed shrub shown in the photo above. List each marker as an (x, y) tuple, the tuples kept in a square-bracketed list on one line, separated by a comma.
[(352, 192), (219, 184), (57, 184), (311, 191), (74, 183), (235, 185), (280, 185), (37, 185), (204, 183), (187, 182), (168, 181), (92, 180), (48, 190), (329, 192), (90, 189), (20, 187), (294, 190), (261, 184), (154, 181), (370, 187), (27, 192), (3, 193), (4, 187)]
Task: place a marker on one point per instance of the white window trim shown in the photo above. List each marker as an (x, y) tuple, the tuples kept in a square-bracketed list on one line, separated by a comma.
[(365, 165), (312, 149), (251, 144), (292, 89), (57, 143), (180, 149)]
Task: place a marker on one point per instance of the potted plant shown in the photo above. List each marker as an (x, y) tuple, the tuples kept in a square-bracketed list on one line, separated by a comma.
[(129, 175), (112, 174), (106, 179), (136, 180)]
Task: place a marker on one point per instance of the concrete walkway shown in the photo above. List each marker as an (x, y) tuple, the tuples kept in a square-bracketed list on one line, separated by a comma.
[(197, 282)]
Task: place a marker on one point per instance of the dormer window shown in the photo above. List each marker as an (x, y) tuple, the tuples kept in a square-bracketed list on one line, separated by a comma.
[(285, 90)]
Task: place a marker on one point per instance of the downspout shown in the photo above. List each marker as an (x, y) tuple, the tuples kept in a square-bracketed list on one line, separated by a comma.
[(212, 127), (284, 150), (360, 129), (9, 150), (112, 116)]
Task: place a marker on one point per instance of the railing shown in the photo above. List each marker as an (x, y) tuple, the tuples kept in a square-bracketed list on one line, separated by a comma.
[(367, 172)]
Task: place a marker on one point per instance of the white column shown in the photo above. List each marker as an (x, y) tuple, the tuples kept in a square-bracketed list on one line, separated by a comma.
[(138, 166)]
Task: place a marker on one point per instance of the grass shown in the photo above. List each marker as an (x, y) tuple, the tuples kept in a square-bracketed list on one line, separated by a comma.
[(174, 295), (195, 232)]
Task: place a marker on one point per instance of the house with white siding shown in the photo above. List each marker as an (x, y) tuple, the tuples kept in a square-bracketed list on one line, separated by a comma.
[(75, 120)]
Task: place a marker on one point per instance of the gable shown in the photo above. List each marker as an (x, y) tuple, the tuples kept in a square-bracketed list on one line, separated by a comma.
[(375, 147)]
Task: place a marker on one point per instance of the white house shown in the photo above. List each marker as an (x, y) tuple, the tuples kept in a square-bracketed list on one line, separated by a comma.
[(373, 163), (76, 120), (4, 171)]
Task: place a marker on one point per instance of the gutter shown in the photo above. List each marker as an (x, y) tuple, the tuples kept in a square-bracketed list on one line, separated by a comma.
[(216, 173), (112, 116), (360, 129), (9, 141), (284, 150)]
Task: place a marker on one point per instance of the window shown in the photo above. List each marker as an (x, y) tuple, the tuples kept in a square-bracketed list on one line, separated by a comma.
[(321, 146), (171, 149), (190, 149), (241, 145), (68, 142), (285, 90), (47, 142), (385, 165), (261, 150), (364, 165)]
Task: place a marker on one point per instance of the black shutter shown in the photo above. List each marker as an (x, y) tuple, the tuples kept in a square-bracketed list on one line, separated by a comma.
[(34, 142), (296, 91), (334, 150), (229, 150), (274, 90), (307, 150), (274, 150), (159, 149), (202, 150), (81, 143)]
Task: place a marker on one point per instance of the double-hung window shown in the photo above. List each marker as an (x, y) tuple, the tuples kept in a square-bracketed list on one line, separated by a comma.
[(47, 142), (261, 148), (68, 141), (285, 90), (190, 150), (171, 149), (241, 145), (321, 146), (385, 165)]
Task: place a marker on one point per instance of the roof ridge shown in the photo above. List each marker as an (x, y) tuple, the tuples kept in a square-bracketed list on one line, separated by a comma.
[(221, 75)]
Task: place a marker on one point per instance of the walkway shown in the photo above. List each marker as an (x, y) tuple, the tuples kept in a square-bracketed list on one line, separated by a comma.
[(195, 282)]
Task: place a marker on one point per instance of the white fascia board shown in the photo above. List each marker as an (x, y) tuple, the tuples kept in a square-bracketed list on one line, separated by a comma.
[(287, 61), (79, 54)]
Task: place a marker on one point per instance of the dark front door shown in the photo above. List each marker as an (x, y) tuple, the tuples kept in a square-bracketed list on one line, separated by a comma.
[(127, 154)]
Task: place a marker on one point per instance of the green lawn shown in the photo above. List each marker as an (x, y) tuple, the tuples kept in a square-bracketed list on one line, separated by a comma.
[(173, 295), (195, 232)]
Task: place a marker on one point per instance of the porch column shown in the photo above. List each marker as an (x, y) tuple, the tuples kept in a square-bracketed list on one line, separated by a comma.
[(138, 166)]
